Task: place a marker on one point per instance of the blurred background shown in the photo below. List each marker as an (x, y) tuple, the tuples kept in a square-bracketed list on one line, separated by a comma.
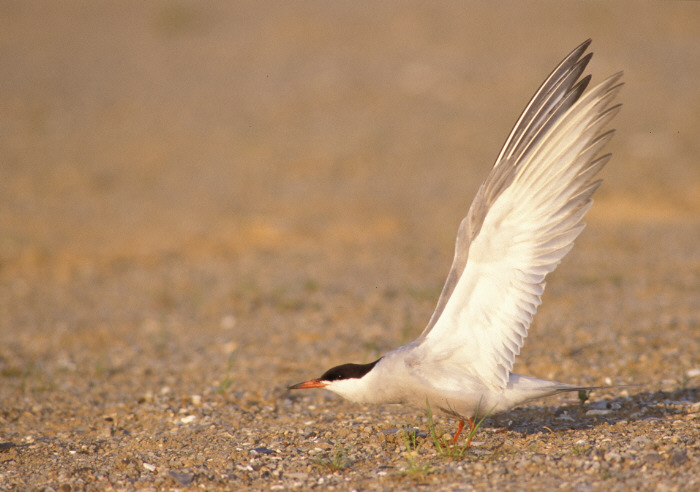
[(147, 128), (184, 168)]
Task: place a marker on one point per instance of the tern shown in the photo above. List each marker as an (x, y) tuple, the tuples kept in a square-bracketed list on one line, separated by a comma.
[(522, 222)]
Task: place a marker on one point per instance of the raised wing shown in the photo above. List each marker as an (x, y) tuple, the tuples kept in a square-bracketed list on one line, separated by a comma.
[(522, 222), (550, 95)]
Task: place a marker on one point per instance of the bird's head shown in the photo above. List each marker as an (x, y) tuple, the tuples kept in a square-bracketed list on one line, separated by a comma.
[(347, 380)]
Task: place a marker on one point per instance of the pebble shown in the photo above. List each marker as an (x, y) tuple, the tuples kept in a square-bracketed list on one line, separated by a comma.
[(262, 450), (677, 457), (182, 478), (613, 457), (651, 458), (597, 413)]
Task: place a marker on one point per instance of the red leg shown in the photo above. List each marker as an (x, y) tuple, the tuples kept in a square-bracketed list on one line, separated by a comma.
[(471, 432), (459, 430)]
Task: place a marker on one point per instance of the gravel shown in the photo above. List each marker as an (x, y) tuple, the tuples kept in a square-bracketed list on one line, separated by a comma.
[(202, 204)]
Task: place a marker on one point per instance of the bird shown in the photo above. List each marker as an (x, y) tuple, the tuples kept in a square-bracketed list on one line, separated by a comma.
[(522, 222)]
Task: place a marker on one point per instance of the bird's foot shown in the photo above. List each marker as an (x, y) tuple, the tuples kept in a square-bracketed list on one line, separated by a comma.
[(459, 431)]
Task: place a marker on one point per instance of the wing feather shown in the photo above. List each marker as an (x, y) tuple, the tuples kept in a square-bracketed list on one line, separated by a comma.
[(558, 92), (523, 221)]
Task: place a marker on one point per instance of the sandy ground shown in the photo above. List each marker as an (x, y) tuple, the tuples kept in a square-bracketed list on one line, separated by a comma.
[(203, 203)]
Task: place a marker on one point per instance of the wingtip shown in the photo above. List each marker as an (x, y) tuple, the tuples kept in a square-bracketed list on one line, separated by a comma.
[(581, 48), (584, 45), (617, 76)]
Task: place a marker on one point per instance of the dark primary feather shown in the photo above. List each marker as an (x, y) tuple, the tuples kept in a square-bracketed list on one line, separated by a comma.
[(559, 82)]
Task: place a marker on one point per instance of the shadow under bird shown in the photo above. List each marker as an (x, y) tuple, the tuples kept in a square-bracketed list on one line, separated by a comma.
[(522, 222)]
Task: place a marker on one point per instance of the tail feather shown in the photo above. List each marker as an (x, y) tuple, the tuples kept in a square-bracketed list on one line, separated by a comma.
[(522, 389)]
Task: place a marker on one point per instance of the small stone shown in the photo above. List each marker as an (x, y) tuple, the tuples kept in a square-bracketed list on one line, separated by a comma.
[(642, 442), (600, 405), (538, 458), (597, 413), (613, 457), (297, 475), (677, 457), (4, 446), (652, 458), (262, 450), (182, 478)]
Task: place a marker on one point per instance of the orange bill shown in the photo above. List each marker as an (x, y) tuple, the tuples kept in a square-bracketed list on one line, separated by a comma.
[(311, 383)]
